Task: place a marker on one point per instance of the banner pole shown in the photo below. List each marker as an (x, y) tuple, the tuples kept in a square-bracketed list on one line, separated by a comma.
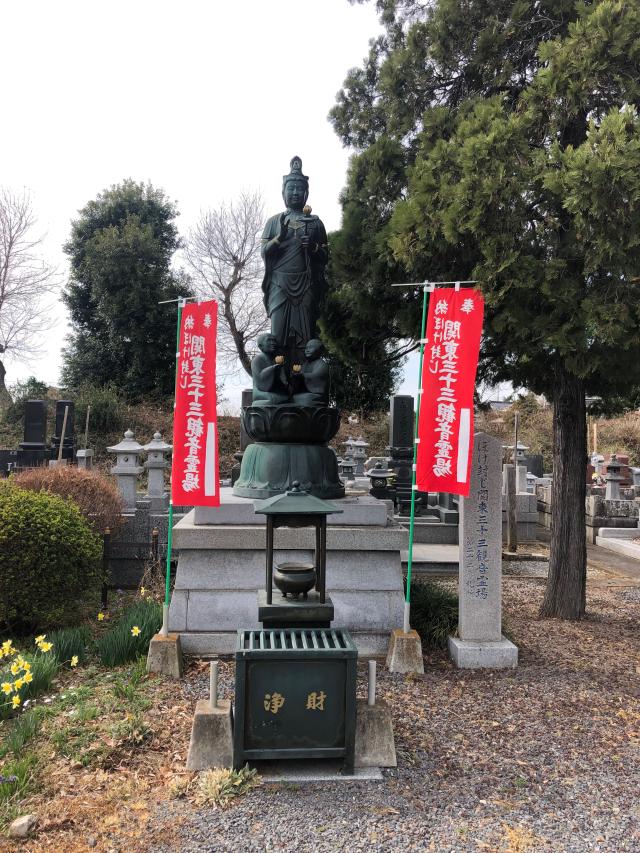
[(167, 578), (407, 603)]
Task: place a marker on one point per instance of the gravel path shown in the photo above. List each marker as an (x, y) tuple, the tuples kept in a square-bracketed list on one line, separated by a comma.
[(545, 757)]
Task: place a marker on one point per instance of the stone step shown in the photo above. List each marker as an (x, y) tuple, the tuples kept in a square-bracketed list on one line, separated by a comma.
[(429, 531), (432, 559)]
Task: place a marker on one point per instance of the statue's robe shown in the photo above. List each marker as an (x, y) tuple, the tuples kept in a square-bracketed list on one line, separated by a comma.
[(294, 284)]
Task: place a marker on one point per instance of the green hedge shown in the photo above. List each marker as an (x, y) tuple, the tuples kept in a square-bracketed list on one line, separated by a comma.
[(50, 561)]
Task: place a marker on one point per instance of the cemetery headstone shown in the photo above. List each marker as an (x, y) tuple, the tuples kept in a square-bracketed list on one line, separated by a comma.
[(33, 450), (401, 424), (480, 642)]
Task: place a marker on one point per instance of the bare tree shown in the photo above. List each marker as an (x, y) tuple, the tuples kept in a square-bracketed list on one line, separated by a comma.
[(223, 252), (25, 280)]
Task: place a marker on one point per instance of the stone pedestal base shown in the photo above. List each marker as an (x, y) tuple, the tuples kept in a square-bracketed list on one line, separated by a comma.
[(477, 654), (270, 469), (165, 655), (211, 743), (221, 568), (405, 652), (375, 746)]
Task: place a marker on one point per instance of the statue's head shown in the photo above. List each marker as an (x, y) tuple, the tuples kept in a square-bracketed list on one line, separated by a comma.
[(295, 186), (314, 349), (267, 343)]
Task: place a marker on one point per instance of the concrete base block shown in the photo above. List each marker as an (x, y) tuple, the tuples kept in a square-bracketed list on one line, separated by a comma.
[(375, 746), (165, 655), (405, 652), (211, 743), (476, 654)]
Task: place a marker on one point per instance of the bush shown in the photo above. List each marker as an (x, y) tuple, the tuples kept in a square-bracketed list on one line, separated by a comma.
[(94, 493), (434, 613), (108, 409), (50, 560), (29, 389), (120, 644)]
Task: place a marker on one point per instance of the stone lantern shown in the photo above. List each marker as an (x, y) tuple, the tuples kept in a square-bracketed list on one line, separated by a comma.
[(381, 479), (348, 468), (127, 469), (360, 454), (156, 465)]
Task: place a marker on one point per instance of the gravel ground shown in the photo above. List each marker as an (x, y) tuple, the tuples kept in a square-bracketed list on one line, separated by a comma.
[(545, 757)]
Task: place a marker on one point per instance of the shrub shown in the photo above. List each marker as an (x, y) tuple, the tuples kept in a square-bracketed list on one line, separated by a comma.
[(108, 408), (50, 560), (122, 643), (434, 612), (94, 493), (29, 389)]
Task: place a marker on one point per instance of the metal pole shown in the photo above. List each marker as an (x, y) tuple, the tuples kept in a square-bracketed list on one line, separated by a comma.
[(213, 683), (167, 579), (407, 604), (371, 695), (64, 429)]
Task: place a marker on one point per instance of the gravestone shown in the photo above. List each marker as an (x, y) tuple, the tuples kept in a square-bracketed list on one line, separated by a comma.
[(401, 424), (480, 642), (33, 450)]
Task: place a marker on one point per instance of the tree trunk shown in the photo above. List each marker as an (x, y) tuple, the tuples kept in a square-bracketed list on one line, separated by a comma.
[(5, 397), (565, 596)]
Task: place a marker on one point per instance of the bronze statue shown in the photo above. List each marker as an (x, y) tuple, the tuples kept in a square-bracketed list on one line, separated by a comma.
[(269, 385), (314, 376), (294, 249)]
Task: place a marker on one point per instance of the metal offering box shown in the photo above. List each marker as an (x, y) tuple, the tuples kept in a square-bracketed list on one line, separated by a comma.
[(295, 695)]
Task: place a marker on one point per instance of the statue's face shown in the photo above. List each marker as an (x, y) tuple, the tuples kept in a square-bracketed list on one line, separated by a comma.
[(295, 195), (313, 349), (270, 345)]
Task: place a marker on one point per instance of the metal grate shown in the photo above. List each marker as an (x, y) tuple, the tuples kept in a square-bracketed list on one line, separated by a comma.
[(295, 639)]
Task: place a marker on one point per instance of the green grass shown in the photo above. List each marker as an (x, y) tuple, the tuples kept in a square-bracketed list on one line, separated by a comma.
[(434, 612), (119, 646)]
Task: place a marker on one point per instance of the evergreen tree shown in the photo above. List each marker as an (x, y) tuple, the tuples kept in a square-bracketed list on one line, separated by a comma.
[(521, 141), (120, 254)]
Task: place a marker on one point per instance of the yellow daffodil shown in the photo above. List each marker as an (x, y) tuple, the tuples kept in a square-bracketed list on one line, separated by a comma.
[(15, 668), (135, 631), (40, 639), (27, 678), (74, 660), (26, 666), (6, 646), (142, 591), (18, 683), (100, 617), (7, 687), (46, 647), (15, 701)]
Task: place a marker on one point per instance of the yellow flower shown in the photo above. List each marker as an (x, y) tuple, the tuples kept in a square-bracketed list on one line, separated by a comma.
[(40, 639), (46, 647), (100, 617), (27, 678), (15, 701), (143, 591), (18, 683), (26, 666), (15, 668), (135, 630), (74, 660), (7, 687), (6, 647)]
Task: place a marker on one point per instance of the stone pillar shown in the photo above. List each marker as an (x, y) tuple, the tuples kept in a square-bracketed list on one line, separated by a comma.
[(84, 458), (401, 424), (480, 642), (33, 450), (156, 465), (126, 469)]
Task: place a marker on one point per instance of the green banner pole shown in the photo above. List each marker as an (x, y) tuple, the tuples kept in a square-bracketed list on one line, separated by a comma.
[(407, 603), (167, 577)]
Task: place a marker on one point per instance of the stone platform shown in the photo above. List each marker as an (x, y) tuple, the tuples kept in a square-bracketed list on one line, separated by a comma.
[(221, 568)]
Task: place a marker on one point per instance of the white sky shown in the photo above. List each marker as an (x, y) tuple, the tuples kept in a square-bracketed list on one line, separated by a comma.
[(200, 98)]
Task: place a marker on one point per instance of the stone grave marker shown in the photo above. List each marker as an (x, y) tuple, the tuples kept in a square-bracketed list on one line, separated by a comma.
[(480, 642)]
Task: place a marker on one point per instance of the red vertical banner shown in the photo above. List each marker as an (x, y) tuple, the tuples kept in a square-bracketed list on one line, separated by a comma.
[(194, 471), (450, 361)]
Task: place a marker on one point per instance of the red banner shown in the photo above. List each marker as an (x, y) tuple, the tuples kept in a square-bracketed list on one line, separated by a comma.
[(194, 471), (445, 424)]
